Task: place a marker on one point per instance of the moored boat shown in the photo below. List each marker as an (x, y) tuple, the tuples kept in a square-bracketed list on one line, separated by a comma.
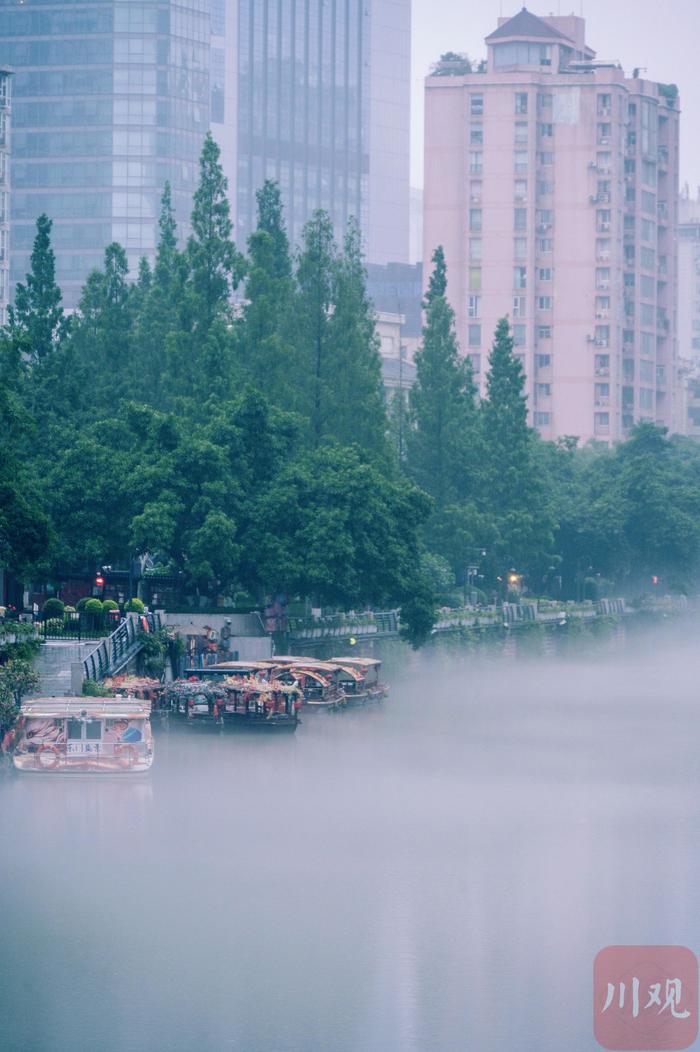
[(318, 680), (370, 689), (100, 735), (236, 702)]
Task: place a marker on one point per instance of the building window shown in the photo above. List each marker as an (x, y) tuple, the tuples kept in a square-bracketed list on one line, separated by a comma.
[(646, 371), (520, 219), (544, 332), (545, 131), (544, 101), (603, 220), (545, 244), (475, 278), (520, 190), (519, 333), (544, 274), (520, 248), (601, 423), (476, 136), (602, 277), (545, 158), (544, 217), (542, 419), (521, 162), (475, 220), (475, 306), (521, 131), (519, 277), (601, 393), (604, 105), (476, 105), (475, 360), (476, 162), (519, 306), (521, 102), (646, 398), (602, 306), (475, 190), (604, 134), (602, 365), (543, 361), (475, 249), (543, 390), (544, 302), (475, 336)]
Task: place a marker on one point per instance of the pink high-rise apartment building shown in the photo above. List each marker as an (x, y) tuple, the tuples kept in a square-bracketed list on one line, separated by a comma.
[(551, 181)]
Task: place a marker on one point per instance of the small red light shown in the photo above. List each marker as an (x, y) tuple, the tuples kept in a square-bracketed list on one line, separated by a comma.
[(655, 579), (99, 581)]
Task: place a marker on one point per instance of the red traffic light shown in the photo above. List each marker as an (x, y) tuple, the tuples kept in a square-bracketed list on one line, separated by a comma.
[(654, 579), (99, 580)]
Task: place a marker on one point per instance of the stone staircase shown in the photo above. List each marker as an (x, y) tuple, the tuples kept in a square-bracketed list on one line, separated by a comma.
[(54, 664)]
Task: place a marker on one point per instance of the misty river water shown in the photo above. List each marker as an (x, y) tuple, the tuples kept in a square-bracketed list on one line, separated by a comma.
[(432, 875)]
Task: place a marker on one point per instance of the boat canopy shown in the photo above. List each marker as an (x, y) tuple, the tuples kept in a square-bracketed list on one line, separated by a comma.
[(352, 672), (258, 666), (85, 708), (357, 662)]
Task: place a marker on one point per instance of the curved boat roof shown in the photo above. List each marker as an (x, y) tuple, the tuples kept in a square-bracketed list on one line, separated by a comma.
[(362, 662), (262, 665)]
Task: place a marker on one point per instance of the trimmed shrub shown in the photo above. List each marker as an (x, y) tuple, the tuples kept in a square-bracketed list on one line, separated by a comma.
[(82, 603), (54, 625), (53, 608), (109, 604), (135, 606), (93, 608)]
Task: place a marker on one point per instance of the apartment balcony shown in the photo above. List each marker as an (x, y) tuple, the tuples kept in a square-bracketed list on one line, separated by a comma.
[(604, 112), (602, 315), (601, 199), (602, 371), (602, 285), (602, 402), (603, 228)]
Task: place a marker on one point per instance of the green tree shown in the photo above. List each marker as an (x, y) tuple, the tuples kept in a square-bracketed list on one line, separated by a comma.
[(37, 320), (442, 444), (333, 526), (315, 273), (158, 319), (355, 398), (267, 347), (514, 493), (216, 266)]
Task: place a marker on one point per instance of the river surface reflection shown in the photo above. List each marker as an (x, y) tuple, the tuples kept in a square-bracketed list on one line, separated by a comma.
[(435, 874)]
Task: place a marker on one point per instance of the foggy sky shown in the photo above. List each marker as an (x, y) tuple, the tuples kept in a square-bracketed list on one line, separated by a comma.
[(662, 37)]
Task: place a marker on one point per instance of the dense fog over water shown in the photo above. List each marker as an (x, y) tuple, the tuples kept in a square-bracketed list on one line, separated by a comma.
[(435, 873)]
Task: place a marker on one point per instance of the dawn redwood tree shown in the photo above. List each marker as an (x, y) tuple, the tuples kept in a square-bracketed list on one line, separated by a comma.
[(514, 493), (158, 316), (267, 348), (315, 274), (215, 264), (442, 441), (357, 410), (37, 321)]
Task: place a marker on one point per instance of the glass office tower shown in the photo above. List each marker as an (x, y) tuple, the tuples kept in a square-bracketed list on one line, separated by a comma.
[(320, 101), (5, 101), (111, 99)]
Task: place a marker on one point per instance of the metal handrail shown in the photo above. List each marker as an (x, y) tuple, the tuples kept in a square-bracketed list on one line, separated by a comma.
[(113, 653)]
